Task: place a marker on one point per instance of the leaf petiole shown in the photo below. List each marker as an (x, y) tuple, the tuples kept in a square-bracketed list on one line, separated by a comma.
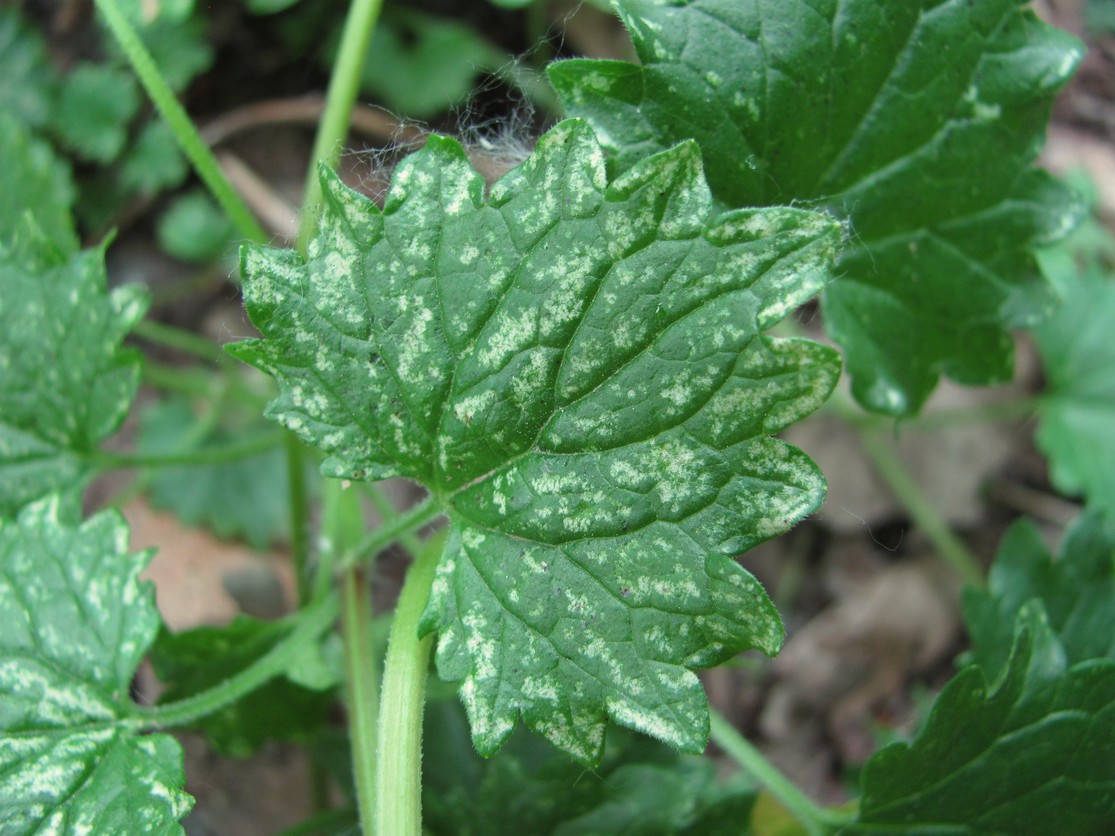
[(311, 623), (391, 530)]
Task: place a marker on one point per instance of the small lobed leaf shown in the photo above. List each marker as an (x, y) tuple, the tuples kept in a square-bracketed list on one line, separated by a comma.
[(575, 368), (66, 384), (94, 108), (27, 79), (917, 121), (1076, 590), (76, 624), (1034, 747), (1076, 430)]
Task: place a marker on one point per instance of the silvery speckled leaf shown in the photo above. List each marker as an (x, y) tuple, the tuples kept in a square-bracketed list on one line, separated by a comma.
[(575, 369), (918, 121), (76, 624), (65, 382)]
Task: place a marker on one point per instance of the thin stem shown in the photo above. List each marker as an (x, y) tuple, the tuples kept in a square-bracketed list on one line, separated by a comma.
[(217, 454), (398, 782), (817, 821), (392, 530), (181, 340), (312, 622), (299, 511), (344, 84), (362, 690), (922, 511), (382, 503), (191, 143)]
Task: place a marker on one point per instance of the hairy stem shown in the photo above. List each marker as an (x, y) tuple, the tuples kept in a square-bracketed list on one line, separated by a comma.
[(398, 808), (187, 136), (393, 529), (362, 689), (816, 820), (311, 623), (344, 84)]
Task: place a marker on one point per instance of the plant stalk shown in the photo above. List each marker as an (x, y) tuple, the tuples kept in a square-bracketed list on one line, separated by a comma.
[(393, 530), (344, 85), (816, 820), (186, 134), (312, 622), (398, 782), (216, 454), (362, 689)]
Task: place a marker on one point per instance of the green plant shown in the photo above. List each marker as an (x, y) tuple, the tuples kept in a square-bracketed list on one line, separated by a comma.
[(574, 364)]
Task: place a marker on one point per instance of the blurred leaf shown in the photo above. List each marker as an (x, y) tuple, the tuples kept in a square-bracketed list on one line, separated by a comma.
[(1032, 749), (193, 228), (196, 660), (1077, 427), (420, 65), (153, 162), (245, 497), (95, 106), (77, 622), (144, 12), (37, 184), (27, 79), (268, 7), (180, 49), (1076, 591), (640, 787), (67, 384)]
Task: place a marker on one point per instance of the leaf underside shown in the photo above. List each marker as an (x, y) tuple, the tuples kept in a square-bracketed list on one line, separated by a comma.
[(76, 624), (917, 121), (575, 369)]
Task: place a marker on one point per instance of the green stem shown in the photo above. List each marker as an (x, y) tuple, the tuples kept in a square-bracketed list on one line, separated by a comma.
[(398, 781), (362, 690), (816, 820), (392, 530), (182, 340), (312, 622), (299, 509), (189, 140), (344, 84), (217, 454), (922, 511)]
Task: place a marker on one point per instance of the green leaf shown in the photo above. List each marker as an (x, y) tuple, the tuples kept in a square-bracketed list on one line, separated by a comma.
[(66, 383), (1076, 591), (1077, 428), (154, 161), (94, 109), (27, 79), (640, 787), (1034, 748), (76, 624), (420, 65), (193, 228), (196, 660), (246, 497), (37, 185), (576, 370), (917, 121)]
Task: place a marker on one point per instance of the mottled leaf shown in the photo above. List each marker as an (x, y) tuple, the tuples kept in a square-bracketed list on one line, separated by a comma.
[(37, 191), (1030, 749), (917, 121), (65, 384), (575, 368), (1077, 428), (76, 624), (1076, 590)]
